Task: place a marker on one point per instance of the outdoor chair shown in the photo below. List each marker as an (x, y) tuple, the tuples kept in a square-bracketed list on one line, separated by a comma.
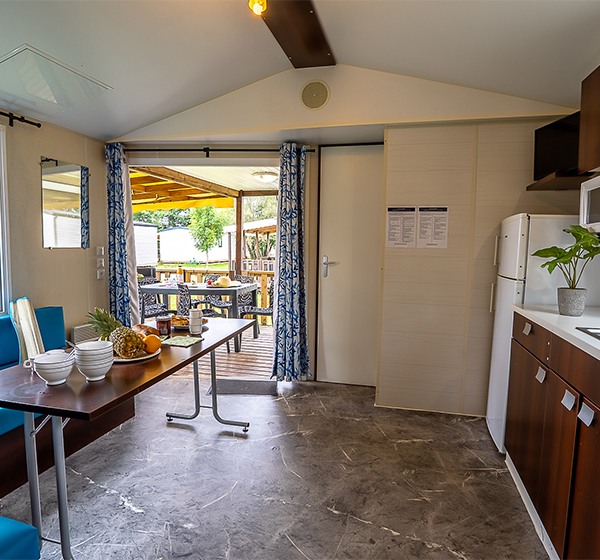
[(262, 311), (214, 300), (149, 304), (186, 302)]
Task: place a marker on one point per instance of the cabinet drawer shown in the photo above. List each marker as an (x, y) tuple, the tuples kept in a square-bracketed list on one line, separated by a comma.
[(577, 368), (531, 336)]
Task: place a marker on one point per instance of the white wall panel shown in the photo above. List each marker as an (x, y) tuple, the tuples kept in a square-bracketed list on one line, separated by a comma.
[(436, 327)]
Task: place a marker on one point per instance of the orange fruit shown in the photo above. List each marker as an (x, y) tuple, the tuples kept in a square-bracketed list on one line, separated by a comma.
[(152, 343)]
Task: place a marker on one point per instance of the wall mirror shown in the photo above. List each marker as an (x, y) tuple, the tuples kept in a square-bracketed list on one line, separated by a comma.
[(65, 199)]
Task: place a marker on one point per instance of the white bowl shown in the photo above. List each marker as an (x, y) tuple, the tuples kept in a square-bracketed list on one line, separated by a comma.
[(95, 372), (52, 368), (94, 357), (94, 346), (48, 361)]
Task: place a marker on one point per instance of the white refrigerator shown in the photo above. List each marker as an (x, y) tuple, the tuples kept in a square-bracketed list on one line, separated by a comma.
[(521, 279)]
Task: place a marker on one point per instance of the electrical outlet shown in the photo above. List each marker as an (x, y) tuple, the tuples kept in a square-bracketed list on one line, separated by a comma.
[(100, 274)]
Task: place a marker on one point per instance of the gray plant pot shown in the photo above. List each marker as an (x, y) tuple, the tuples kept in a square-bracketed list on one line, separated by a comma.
[(571, 301)]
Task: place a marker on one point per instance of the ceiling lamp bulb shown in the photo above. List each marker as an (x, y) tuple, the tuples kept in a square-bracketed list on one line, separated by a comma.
[(258, 6), (265, 176)]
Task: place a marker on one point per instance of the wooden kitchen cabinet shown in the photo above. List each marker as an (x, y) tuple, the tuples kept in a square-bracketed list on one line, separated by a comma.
[(584, 534), (589, 124), (525, 417), (542, 430), (556, 459)]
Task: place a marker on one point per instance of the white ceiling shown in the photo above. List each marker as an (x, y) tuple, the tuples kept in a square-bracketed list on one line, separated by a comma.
[(162, 57)]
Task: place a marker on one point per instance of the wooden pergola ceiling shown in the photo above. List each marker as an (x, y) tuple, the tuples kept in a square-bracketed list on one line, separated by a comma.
[(161, 185)]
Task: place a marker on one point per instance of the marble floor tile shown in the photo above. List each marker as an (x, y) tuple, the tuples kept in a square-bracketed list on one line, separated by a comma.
[(322, 474)]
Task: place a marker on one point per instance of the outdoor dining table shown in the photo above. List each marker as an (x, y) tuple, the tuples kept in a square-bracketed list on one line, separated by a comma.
[(168, 289), (21, 389)]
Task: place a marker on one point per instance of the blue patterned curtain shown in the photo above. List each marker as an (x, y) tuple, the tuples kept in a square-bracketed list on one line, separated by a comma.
[(85, 208), (118, 278), (289, 312)]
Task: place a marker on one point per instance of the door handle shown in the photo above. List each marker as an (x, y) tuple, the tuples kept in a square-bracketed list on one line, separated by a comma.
[(325, 266), (496, 263), (492, 298)]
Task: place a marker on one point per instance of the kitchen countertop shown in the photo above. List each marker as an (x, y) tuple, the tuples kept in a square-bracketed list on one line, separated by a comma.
[(565, 327)]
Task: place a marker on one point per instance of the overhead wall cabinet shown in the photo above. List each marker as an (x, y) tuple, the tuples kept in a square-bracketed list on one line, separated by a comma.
[(552, 397), (589, 127), (589, 142)]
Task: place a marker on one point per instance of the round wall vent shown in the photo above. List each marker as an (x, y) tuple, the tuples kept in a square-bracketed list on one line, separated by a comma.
[(315, 95)]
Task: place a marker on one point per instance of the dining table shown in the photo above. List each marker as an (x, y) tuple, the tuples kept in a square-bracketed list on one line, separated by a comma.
[(166, 289), (22, 389)]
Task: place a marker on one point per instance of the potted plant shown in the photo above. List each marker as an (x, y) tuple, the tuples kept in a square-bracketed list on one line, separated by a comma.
[(571, 261)]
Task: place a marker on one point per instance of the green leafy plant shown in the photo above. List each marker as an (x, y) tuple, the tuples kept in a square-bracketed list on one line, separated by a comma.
[(206, 227), (572, 260)]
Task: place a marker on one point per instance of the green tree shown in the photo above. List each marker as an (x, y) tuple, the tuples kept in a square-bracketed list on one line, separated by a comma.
[(259, 208), (263, 250), (206, 228), (176, 217)]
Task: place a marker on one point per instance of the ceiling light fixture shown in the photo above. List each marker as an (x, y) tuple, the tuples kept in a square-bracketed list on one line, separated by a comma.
[(258, 6), (265, 176)]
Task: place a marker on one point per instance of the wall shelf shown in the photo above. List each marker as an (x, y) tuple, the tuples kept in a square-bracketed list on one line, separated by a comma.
[(560, 181)]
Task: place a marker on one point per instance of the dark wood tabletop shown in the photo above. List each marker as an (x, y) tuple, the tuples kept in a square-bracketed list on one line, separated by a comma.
[(21, 389)]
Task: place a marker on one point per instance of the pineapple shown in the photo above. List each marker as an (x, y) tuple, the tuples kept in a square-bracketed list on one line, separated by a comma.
[(103, 322), (127, 343)]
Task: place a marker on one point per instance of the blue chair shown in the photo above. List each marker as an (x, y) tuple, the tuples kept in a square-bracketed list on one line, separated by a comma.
[(18, 541), (52, 328)]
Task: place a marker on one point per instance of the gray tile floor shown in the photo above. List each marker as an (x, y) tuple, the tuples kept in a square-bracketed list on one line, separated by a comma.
[(322, 474)]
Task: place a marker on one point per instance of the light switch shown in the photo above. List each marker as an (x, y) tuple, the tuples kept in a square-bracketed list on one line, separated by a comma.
[(99, 263), (100, 274), (99, 251)]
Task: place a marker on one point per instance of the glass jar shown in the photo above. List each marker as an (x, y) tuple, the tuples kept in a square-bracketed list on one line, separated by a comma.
[(163, 324)]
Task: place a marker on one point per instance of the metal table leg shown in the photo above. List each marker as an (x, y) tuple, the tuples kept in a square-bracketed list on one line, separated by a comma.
[(61, 486), (237, 341), (198, 406), (171, 415), (255, 304), (32, 473), (213, 379)]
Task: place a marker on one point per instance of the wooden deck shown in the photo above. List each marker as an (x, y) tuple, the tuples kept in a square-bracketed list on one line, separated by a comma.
[(254, 361)]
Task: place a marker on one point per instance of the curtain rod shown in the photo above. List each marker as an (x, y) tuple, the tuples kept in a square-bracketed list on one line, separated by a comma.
[(206, 150), (12, 118)]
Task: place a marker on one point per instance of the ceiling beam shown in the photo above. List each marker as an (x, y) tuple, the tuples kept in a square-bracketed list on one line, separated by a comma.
[(145, 199), (265, 192), (296, 27), (186, 180)]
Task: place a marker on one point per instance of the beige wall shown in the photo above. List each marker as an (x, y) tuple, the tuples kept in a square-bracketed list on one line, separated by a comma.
[(436, 326), (65, 277)]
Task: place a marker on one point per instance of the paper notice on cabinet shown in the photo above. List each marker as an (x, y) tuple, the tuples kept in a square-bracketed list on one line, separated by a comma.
[(401, 226), (433, 227), (568, 401)]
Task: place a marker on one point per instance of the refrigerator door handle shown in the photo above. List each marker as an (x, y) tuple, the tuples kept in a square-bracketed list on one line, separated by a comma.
[(492, 298), (496, 263)]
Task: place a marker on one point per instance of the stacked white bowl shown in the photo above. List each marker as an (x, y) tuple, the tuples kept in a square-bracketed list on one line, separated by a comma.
[(94, 358), (53, 368)]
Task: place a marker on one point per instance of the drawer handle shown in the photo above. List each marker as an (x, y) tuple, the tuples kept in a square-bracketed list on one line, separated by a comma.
[(527, 329), (568, 401), (541, 374), (586, 414)]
